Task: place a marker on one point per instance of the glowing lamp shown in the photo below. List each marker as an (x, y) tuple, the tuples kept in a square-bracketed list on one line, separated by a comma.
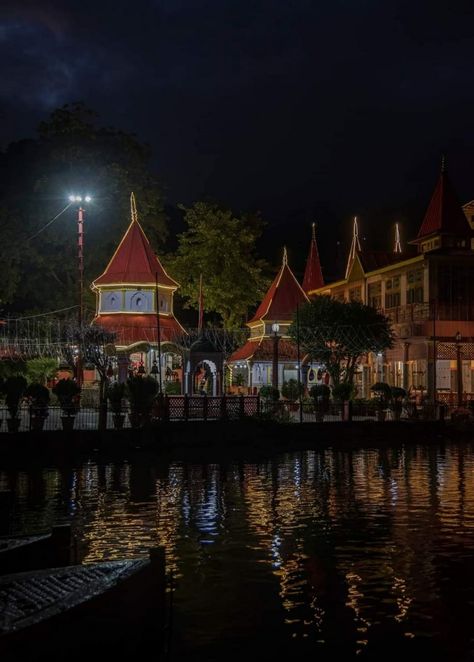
[(275, 328)]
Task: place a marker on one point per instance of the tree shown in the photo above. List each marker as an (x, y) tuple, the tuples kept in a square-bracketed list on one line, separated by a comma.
[(337, 334), (73, 153), (221, 247), (97, 345)]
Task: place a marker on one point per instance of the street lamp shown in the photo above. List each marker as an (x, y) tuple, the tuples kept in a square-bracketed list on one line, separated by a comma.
[(276, 340), (458, 338), (154, 370), (80, 257)]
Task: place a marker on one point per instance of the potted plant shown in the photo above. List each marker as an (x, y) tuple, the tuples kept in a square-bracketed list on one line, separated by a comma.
[(173, 388), (141, 392), (67, 392), (343, 393), (115, 395), (38, 396), (382, 394), (397, 395), (320, 394), (239, 381), (291, 390), (14, 388)]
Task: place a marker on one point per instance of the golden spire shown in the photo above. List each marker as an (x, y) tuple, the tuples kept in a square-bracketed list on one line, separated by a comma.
[(398, 245), (285, 255), (133, 208), (355, 246), (314, 231), (443, 163)]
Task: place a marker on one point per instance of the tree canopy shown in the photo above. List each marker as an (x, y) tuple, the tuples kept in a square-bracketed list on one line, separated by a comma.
[(337, 334), (72, 153), (221, 247)]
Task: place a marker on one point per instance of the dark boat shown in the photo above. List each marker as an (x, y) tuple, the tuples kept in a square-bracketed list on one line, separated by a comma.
[(115, 608), (50, 550)]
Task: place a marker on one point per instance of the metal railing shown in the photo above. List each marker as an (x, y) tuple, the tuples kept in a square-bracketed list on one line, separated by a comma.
[(222, 408)]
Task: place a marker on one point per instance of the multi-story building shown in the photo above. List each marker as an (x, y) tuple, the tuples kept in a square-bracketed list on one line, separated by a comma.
[(427, 290)]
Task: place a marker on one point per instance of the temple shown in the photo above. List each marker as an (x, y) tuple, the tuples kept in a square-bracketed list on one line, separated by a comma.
[(135, 301), (427, 291), (253, 362)]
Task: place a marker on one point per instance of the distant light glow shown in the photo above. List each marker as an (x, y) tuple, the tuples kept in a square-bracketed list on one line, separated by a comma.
[(71, 198), (88, 198)]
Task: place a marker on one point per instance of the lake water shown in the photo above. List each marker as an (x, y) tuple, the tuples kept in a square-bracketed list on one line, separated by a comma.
[(364, 554)]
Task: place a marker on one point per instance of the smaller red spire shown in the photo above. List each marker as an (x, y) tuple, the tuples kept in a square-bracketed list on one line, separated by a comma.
[(313, 275), (444, 213), (282, 297)]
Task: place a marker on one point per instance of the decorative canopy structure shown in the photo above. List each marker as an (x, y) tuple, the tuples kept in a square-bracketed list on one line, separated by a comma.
[(282, 298), (313, 275), (444, 214), (261, 349), (279, 305), (135, 294), (134, 261)]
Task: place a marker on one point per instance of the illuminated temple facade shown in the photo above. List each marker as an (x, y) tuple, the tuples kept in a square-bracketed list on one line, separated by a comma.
[(134, 300), (254, 360), (427, 290)]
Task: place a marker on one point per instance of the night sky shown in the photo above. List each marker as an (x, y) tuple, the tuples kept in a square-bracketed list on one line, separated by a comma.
[(304, 110)]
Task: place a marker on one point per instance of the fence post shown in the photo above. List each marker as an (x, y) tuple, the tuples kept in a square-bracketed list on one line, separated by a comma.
[(258, 404), (166, 409), (204, 406), (186, 407), (241, 407)]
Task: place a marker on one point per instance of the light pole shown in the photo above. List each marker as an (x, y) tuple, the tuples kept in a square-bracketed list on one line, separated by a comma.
[(458, 338), (80, 258), (276, 340)]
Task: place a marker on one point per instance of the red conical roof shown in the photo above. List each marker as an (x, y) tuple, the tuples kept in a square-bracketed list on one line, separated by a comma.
[(284, 294), (313, 276), (444, 213), (134, 261)]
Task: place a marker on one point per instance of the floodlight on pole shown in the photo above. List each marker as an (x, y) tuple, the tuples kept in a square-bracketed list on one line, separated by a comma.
[(80, 258)]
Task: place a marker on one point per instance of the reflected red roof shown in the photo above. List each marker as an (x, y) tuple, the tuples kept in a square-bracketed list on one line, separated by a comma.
[(313, 275), (262, 350), (134, 262), (444, 213), (284, 294), (131, 329)]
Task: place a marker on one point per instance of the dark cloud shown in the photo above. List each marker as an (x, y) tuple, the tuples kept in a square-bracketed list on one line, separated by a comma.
[(299, 109)]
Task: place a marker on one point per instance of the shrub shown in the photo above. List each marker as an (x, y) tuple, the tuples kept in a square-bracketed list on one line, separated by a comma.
[(291, 389), (397, 393), (320, 392), (67, 392), (382, 393), (14, 388), (173, 388), (343, 392), (39, 398), (39, 371), (115, 393), (141, 392), (269, 393)]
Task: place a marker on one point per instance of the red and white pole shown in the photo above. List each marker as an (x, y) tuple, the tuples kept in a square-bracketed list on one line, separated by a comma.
[(80, 257)]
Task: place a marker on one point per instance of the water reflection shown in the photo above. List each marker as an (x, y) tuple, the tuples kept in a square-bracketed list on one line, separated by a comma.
[(312, 551)]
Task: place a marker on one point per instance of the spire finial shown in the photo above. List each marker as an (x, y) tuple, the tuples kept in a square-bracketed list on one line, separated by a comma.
[(398, 246), (285, 255), (443, 163), (355, 245), (133, 208), (314, 231)]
